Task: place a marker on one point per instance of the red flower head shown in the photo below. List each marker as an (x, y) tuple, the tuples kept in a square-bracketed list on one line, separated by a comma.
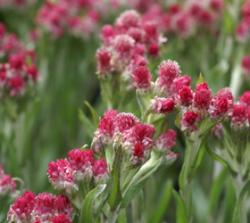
[(185, 96), (107, 33), (100, 169), (125, 121), (61, 176), (103, 57), (21, 209), (139, 135), (7, 184), (245, 98), (47, 206), (189, 120), (81, 162), (106, 125), (61, 219), (128, 19), (141, 78), (221, 104), (202, 96), (16, 85), (166, 140), (239, 115), (123, 45), (180, 82), (163, 105), (168, 71)]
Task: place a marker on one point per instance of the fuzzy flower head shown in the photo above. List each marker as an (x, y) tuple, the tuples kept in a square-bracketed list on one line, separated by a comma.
[(103, 57), (128, 19), (185, 96), (245, 98), (221, 103), (61, 175), (189, 121), (106, 129), (47, 206), (202, 96), (100, 170), (81, 162), (239, 115), (163, 105), (7, 185), (166, 140), (168, 71), (141, 78), (125, 121), (138, 141), (20, 211)]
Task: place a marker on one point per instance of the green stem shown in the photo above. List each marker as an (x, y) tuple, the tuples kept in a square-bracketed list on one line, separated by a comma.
[(240, 212), (187, 172)]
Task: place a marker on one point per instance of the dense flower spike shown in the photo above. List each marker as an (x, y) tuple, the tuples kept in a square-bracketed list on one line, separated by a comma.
[(44, 207), (17, 68)]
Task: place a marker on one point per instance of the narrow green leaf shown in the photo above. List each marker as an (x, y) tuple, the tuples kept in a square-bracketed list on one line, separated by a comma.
[(95, 117), (217, 188), (88, 210), (181, 213), (140, 177), (163, 203), (115, 195)]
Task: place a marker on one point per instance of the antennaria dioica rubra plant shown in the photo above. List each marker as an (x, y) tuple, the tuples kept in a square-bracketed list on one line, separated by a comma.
[(168, 138)]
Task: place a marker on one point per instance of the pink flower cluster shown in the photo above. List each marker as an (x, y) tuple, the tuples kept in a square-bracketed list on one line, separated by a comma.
[(7, 183), (243, 29), (126, 45), (80, 165), (77, 17), (15, 3), (41, 208), (136, 138), (173, 91), (18, 71), (185, 19)]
